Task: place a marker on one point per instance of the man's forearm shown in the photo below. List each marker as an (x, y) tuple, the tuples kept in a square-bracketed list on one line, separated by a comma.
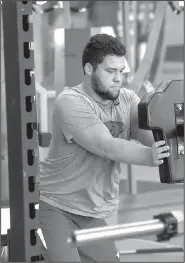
[(129, 152)]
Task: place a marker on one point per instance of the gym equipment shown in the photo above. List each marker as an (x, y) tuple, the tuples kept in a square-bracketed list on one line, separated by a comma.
[(136, 250), (165, 226), (22, 136), (154, 41), (130, 246), (21, 114), (163, 113)]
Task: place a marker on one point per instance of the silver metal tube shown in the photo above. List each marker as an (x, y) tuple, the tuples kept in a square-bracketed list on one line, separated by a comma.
[(44, 95), (82, 237), (43, 110)]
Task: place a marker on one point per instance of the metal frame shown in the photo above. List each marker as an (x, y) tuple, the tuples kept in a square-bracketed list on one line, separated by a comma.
[(131, 24), (145, 66), (153, 41), (22, 138), (0, 130), (130, 40)]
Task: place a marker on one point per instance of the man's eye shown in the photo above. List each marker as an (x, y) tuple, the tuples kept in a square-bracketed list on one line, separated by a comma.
[(110, 71)]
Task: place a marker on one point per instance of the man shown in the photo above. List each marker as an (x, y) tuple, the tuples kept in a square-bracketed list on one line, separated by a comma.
[(92, 125)]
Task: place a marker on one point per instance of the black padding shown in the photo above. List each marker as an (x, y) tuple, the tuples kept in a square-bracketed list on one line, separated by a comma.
[(159, 112)]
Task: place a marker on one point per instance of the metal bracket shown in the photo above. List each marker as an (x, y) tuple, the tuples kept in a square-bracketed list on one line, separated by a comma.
[(179, 120)]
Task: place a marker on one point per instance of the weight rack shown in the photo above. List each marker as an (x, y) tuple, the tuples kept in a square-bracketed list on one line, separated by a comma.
[(22, 135)]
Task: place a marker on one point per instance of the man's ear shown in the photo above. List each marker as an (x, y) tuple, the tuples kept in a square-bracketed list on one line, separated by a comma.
[(88, 69)]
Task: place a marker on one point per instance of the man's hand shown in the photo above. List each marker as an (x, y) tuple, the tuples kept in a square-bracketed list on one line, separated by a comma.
[(159, 152)]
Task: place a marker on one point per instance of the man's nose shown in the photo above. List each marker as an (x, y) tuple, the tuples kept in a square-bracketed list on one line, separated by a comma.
[(117, 77)]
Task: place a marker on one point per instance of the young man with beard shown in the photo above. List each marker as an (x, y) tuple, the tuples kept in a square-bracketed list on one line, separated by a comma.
[(92, 125)]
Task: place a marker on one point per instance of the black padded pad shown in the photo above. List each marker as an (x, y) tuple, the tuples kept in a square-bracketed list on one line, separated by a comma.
[(159, 112)]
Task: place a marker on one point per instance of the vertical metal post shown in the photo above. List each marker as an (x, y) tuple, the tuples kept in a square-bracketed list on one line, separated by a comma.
[(67, 14), (22, 138), (129, 13), (122, 20), (0, 130), (132, 181)]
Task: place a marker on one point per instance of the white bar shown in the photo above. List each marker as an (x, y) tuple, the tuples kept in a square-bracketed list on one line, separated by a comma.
[(43, 102), (116, 232)]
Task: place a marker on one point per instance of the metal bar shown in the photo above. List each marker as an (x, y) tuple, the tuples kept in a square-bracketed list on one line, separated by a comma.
[(67, 14), (21, 113), (156, 70), (133, 36), (14, 127), (131, 181), (43, 96), (43, 108), (129, 17), (146, 63), (0, 123), (82, 237), (130, 11)]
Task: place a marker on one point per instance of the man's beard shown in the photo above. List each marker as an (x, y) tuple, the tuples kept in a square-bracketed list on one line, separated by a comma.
[(98, 89)]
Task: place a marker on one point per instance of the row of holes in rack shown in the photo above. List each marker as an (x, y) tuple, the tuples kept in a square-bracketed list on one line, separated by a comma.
[(29, 100)]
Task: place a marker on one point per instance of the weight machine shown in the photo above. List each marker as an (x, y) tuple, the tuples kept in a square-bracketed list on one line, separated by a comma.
[(163, 113)]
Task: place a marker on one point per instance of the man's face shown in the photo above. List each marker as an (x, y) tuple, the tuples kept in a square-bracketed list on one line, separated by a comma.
[(107, 79)]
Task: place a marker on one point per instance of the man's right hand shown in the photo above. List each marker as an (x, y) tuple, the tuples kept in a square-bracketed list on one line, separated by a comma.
[(159, 152)]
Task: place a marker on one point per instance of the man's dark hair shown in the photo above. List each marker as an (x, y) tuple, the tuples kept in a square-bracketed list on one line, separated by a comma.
[(99, 46)]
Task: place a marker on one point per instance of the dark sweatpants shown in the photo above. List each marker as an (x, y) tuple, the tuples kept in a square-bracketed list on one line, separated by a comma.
[(56, 226)]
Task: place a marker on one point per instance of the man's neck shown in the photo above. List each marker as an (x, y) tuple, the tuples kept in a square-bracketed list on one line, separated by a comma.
[(87, 88)]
